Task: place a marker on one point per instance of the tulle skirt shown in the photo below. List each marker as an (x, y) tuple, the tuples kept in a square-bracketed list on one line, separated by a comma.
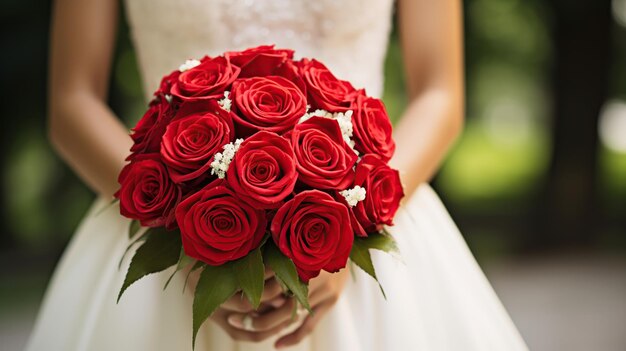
[(437, 297)]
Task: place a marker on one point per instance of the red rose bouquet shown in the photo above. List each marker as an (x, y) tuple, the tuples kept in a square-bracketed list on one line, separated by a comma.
[(254, 159)]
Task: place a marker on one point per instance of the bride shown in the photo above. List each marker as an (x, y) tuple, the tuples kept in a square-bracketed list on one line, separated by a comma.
[(437, 296)]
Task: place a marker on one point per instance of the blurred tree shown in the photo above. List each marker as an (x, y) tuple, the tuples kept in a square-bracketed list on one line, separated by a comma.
[(567, 210)]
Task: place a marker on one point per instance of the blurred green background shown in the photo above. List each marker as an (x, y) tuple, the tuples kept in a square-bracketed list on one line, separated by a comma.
[(539, 170)]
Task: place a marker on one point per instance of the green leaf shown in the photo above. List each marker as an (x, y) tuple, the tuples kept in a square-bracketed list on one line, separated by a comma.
[(383, 242), (250, 272), (360, 255), (183, 261), (216, 285), (198, 264), (294, 311), (352, 270), (106, 207), (133, 228), (141, 238), (160, 251), (286, 273)]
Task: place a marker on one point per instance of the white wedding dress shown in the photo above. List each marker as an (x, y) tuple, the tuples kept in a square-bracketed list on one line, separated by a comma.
[(437, 296)]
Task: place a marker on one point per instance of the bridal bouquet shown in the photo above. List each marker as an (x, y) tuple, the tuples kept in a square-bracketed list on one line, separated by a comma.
[(254, 159)]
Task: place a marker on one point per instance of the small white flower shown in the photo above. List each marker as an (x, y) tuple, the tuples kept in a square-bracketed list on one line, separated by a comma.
[(168, 98), (222, 160), (226, 102), (344, 119), (189, 64), (316, 113), (354, 195), (345, 123)]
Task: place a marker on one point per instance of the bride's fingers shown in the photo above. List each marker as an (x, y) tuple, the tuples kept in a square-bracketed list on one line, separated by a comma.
[(244, 335), (323, 295), (272, 295), (318, 296), (268, 273), (306, 328), (238, 303), (263, 322), (271, 291)]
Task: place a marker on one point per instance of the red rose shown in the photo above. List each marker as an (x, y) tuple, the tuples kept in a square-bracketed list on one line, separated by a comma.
[(260, 61), (291, 72), (217, 227), (383, 194), (263, 171), (191, 140), (269, 103), (324, 160), (167, 82), (207, 80), (372, 128), (147, 193), (241, 58), (148, 132), (314, 231), (325, 90)]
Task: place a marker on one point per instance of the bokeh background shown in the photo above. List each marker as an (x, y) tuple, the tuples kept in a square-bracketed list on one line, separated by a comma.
[(537, 182)]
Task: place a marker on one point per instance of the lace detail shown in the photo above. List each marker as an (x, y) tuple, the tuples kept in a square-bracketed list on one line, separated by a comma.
[(349, 36)]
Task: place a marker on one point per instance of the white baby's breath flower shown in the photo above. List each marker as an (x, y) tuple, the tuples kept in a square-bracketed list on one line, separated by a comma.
[(345, 123), (344, 119), (222, 160), (316, 113), (226, 102), (168, 98), (354, 195), (189, 64)]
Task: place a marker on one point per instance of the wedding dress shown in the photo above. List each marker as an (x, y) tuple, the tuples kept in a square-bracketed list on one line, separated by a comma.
[(437, 296)]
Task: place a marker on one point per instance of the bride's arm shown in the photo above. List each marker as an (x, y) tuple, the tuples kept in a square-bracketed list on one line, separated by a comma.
[(432, 46), (82, 128)]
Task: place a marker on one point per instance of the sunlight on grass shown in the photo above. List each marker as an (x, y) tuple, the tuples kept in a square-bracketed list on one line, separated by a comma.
[(34, 171), (481, 168), (613, 174)]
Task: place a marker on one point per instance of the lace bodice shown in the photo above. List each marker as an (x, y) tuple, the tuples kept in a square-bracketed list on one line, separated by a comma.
[(349, 36)]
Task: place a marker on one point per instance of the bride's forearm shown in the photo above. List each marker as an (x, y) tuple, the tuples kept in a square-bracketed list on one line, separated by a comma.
[(82, 128), (424, 134), (431, 35), (90, 139)]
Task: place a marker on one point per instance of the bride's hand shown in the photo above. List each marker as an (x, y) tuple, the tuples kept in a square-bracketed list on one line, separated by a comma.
[(324, 291), (238, 305), (272, 298)]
